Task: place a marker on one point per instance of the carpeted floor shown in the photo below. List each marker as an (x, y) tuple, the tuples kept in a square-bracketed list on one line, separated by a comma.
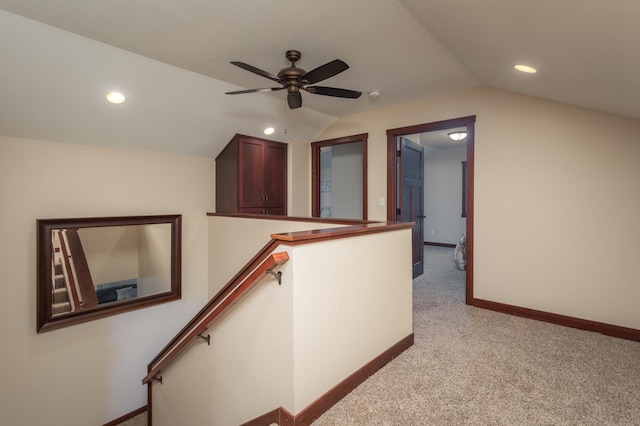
[(139, 420), (471, 366)]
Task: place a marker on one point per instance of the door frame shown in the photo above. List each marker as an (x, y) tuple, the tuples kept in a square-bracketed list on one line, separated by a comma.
[(392, 180), (315, 170)]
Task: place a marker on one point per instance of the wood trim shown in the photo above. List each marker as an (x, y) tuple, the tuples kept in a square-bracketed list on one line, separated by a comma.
[(149, 401), (293, 218), (342, 389), (279, 416), (427, 243), (392, 177), (45, 321), (567, 321), (318, 407), (85, 282), (316, 235), (127, 416), (72, 288), (469, 257), (315, 170)]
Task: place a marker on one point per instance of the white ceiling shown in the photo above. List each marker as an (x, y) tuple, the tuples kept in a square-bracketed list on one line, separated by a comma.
[(50, 83)]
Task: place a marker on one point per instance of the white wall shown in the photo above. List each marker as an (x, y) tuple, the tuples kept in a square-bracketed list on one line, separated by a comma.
[(443, 195), (556, 195), (98, 364)]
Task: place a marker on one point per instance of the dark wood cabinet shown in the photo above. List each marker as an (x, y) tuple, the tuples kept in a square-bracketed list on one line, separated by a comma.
[(251, 177)]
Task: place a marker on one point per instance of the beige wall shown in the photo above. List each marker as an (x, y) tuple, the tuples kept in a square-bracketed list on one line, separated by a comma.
[(89, 374), (155, 259), (243, 237), (556, 195), (286, 345), (111, 252), (346, 312), (299, 186)]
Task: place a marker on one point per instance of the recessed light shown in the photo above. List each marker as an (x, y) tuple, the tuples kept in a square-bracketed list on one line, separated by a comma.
[(525, 68), (115, 97), (269, 131)]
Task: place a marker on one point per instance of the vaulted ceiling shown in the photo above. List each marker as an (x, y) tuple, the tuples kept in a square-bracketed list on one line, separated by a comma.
[(171, 58)]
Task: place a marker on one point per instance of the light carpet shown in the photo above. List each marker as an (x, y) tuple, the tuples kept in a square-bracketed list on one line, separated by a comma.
[(471, 366)]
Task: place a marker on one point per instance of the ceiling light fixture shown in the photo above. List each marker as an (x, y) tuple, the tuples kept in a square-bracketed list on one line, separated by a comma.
[(525, 68), (269, 131), (115, 97), (374, 94), (457, 135)]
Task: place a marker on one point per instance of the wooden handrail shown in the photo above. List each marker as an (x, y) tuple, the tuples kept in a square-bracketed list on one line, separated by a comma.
[(239, 286), (81, 266), (248, 277)]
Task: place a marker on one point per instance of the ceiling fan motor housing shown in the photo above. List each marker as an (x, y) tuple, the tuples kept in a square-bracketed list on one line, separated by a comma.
[(291, 75)]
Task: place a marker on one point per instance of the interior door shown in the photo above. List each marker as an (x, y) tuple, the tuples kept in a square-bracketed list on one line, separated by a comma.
[(411, 197)]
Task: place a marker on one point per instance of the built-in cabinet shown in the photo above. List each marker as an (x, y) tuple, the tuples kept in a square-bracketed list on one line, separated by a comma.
[(251, 177)]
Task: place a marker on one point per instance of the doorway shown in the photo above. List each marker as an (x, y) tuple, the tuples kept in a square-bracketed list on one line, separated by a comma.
[(339, 178), (394, 181)]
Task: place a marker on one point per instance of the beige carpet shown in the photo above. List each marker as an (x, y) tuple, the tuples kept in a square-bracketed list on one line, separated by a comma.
[(471, 366), (139, 420)]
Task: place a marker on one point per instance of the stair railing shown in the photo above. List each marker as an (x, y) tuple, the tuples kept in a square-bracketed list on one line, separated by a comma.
[(247, 278)]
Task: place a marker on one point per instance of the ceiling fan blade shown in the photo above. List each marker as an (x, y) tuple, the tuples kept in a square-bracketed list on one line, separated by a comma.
[(266, 89), (324, 71), (333, 91), (255, 70), (294, 99)]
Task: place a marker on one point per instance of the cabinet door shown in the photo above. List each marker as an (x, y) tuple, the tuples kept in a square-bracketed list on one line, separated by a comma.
[(251, 186), (275, 176)]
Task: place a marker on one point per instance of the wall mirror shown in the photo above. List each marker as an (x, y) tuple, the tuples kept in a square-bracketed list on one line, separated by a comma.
[(90, 268)]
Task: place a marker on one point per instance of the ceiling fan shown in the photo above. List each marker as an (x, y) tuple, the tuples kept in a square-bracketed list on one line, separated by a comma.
[(295, 79)]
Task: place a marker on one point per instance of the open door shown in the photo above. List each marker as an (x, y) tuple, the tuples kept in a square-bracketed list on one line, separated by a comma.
[(411, 197), (396, 191)]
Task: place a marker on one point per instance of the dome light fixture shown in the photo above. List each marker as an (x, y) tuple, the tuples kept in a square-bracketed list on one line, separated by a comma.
[(115, 97), (458, 135)]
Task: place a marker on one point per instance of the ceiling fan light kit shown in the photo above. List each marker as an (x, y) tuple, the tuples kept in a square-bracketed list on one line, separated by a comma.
[(295, 79)]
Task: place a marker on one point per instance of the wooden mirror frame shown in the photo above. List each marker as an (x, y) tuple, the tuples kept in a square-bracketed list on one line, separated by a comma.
[(45, 318)]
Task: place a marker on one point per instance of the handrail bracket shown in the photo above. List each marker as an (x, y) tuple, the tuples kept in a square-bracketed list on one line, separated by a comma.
[(277, 275), (206, 338), (157, 379)]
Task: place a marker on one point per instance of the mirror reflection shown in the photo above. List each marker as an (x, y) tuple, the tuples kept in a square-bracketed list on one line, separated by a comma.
[(97, 267), (94, 266)]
